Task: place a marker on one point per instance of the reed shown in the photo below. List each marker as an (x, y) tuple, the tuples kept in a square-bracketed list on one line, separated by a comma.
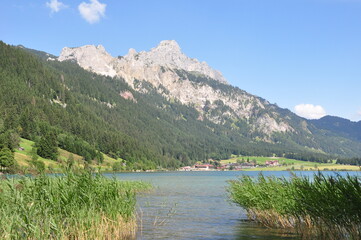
[(78, 205), (328, 207)]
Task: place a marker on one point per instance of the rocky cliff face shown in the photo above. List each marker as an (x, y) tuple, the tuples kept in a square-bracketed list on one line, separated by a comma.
[(167, 54), (177, 76), (92, 58)]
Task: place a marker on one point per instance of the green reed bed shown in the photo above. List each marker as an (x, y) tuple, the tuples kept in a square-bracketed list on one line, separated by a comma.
[(73, 206), (326, 207)]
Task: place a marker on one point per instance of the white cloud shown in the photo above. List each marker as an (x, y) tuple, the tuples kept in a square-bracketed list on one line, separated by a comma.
[(55, 5), (310, 111), (93, 11)]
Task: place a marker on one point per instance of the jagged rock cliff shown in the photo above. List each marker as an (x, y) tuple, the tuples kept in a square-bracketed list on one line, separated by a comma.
[(177, 76), (91, 58)]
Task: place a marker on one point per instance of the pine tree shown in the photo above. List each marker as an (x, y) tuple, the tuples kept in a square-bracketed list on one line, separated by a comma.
[(48, 146), (6, 158)]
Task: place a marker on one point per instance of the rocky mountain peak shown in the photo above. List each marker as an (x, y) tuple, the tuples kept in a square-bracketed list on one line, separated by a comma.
[(90, 57), (168, 46), (101, 48), (132, 52), (173, 74), (167, 54)]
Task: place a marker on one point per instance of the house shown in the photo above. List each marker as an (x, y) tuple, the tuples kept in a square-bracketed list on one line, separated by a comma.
[(272, 163), (203, 167)]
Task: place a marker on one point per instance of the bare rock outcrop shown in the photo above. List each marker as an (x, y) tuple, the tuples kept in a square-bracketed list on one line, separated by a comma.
[(160, 67), (92, 58)]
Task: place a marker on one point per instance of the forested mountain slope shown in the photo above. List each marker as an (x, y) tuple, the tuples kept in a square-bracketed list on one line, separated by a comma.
[(176, 76), (145, 125), (339, 126)]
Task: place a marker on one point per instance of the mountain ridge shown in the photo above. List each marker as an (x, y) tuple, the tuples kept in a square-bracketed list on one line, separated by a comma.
[(166, 54), (339, 125), (142, 123), (214, 99), (166, 67)]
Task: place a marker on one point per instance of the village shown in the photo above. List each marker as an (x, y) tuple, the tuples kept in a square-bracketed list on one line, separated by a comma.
[(236, 166)]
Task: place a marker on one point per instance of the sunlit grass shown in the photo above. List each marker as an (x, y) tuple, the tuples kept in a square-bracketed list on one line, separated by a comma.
[(24, 158), (326, 207), (73, 206), (290, 164)]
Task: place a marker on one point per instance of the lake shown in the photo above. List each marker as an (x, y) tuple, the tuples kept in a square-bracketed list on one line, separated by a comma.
[(194, 205)]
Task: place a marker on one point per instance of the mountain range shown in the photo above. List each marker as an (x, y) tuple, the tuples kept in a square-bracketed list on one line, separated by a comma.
[(157, 108)]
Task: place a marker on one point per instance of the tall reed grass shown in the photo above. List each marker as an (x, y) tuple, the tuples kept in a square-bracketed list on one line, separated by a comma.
[(72, 206), (326, 207)]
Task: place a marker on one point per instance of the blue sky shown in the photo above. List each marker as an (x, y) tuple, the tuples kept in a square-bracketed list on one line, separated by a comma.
[(290, 52)]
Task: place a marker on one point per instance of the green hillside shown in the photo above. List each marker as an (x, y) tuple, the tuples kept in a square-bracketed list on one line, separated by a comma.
[(339, 126), (58, 104), (23, 156), (85, 111)]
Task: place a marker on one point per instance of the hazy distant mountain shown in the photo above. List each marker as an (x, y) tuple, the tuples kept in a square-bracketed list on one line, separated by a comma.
[(340, 126)]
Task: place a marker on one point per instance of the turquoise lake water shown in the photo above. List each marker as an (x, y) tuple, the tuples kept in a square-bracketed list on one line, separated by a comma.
[(194, 205)]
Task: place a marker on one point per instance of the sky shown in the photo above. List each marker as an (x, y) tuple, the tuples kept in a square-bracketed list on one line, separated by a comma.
[(304, 55)]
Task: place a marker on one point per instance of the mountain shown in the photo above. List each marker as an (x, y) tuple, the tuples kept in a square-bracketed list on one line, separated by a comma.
[(176, 76), (339, 126), (152, 109), (137, 65)]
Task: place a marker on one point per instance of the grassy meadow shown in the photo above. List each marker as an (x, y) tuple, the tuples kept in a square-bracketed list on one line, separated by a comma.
[(324, 207), (76, 205), (291, 164), (24, 157)]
